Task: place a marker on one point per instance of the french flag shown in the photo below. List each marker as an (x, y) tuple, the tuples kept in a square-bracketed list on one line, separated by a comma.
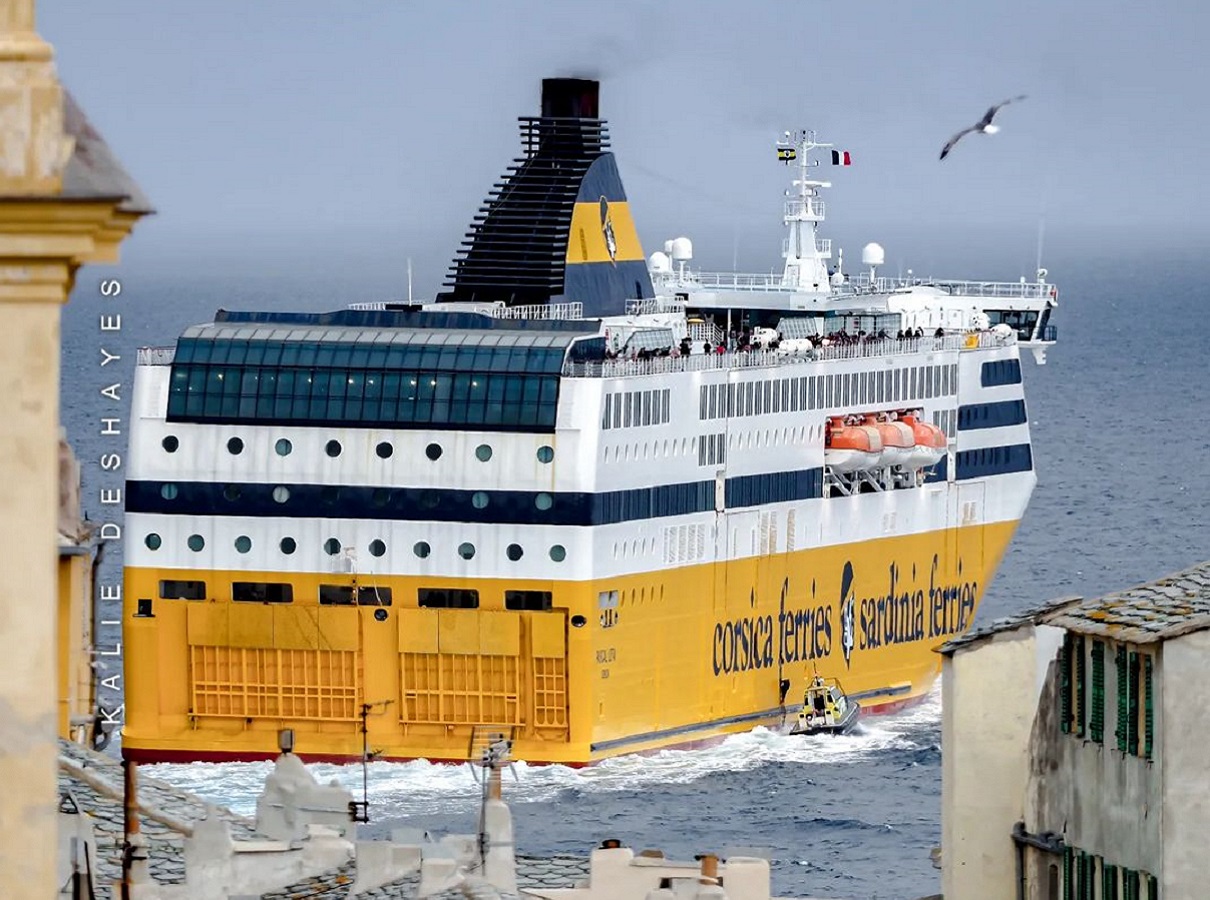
[(841, 158)]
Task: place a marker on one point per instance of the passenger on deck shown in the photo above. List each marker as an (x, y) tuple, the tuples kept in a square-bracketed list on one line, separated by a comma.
[(940, 332)]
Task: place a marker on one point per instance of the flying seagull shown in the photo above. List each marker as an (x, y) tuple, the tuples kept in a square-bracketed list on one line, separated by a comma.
[(985, 126)]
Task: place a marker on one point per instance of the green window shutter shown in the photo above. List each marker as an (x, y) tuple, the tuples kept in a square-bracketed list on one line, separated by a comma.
[(1081, 687), (1132, 734), (1132, 885), (1153, 888), (1123, 696), (1065, 684), (1068, 883), (1096, 724), (1087, 864), (1109, 883), (1148, 710)]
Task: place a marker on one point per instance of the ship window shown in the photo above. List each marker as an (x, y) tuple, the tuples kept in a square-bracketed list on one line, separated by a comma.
[(380, 496), (332, 448), (377, 548), (479, 499), (543, 501), (262, 592), (422, 549), (182, 590), (433, 452), (514, 552), (527, 601), (545, 454), (629, 405), (466, 550), (945, 380), (283, 447), (170, 443), (328, 494), (451, 598), (617, 410), (168, 491), (483, 452), (335, 595), (384, 450), (936, 381), (243, 543), (331, 546), (373, 596), (196, 542), (558, 553), (235, 446), (281, 494), (288, 545)]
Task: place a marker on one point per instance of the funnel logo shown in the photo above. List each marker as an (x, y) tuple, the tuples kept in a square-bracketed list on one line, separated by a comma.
[(611, 241), (846, 613)]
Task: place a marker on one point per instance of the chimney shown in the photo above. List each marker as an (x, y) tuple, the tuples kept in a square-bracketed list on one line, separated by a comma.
[(570, 98)]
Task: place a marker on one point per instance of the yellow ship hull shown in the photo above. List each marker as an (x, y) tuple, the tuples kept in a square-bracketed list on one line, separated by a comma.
[(668, 658)]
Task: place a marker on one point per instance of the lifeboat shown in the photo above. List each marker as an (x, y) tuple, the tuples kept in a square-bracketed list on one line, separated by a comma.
[(930, 443), (849, 448), (898, 441)]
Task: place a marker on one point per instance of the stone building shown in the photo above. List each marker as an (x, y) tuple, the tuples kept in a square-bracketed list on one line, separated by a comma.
[(1075, 736)]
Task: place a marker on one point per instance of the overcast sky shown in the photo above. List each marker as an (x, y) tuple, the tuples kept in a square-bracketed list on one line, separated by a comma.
[(262, 120)]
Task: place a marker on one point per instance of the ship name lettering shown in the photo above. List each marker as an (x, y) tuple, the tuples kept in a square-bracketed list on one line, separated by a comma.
[(904, 615)]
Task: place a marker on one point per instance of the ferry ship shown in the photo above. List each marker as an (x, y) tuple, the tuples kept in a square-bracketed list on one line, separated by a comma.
[(595, 502)]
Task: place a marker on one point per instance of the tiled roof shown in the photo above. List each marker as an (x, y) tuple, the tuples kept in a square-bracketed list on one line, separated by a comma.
[(1158, 610), (1031, 616), (94, 782)]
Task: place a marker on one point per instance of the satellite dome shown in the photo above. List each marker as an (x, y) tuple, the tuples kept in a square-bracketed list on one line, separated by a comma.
[(682, 249), (872, 255), (659, 262)]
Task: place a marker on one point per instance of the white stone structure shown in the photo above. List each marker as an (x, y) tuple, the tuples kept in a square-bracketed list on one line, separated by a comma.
[(1074, 741)]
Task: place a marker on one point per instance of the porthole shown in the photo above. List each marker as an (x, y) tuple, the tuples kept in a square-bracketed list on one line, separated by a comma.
[(168, 491), (243, 543), (331, 546), (153, 540), (483, 452), (332, 448), (231, 492), (384, 450), (545, 454), (430, 499), (433, 452), (329, 494), (466, 550), (479, 499), (422, 549), (170, 443), (544, 501), (288, 545), (196, 542), (281, 493), (283, 447), (514, 552), (235, 446), (380, 496), (578, 621), (558, 553), (377, 548)]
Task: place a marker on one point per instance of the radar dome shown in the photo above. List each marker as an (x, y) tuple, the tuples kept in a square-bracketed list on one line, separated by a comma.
[(668, 247), (682, 249), (872, 255), (659, 262)]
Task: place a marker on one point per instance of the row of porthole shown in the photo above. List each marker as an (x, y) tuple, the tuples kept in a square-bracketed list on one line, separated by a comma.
[(332, 547), (384, 450), (380, 496)]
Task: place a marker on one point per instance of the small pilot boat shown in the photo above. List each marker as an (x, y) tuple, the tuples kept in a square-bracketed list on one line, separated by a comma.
[(826, 709)]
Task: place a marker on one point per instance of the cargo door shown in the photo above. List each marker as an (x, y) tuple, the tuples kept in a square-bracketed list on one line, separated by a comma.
[(547, 716)]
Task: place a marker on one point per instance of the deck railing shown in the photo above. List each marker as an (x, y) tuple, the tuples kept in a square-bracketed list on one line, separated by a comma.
[(614, 368), (155, 356)]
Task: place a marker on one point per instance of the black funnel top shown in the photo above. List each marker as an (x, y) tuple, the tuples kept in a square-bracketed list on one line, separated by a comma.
[(570, 98)]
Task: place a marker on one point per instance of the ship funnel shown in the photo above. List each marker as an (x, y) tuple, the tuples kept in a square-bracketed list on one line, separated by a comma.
[(570, 98)]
